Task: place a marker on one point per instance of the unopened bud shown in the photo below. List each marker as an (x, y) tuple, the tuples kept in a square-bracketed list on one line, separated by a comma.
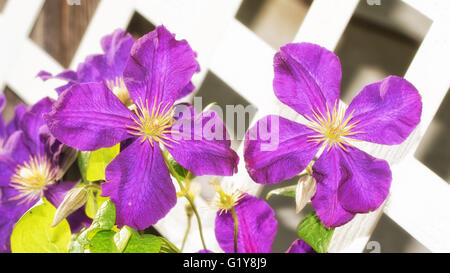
[(74, 199), (306, 188)]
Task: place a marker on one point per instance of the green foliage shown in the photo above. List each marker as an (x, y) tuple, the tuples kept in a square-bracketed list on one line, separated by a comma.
[(179, 170), (99, 160), (104, 237), (83, 163), (313, 232), (33, 234)]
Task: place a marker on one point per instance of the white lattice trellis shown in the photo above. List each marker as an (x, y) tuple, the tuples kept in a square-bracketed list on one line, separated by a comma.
[(419, 200)]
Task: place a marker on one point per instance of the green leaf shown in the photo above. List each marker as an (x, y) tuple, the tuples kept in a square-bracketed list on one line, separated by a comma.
[(104, 220), (98, 162), (168, 247), (313, 232), (180, 171), (83, 163), (288, 191), (146, 243), (103, 242), (105, 217), (33, 234)]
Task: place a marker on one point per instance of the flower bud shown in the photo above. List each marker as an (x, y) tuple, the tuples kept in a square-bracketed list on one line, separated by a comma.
[(306, 188), (74, 199)]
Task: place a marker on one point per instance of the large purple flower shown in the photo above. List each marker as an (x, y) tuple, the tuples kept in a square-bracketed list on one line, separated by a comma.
[(31, 166), (349, 181), (7, 130), (89, 117)]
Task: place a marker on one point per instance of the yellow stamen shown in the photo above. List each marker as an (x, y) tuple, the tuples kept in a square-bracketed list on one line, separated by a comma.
[(32, 178), (154, 124), (333, 128), (117, 86), (225, 200)]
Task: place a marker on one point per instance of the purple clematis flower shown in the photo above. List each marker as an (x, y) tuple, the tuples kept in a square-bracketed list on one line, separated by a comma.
[(257, 225), (89, 117), (107, 67), (349, 181), (31, 166)]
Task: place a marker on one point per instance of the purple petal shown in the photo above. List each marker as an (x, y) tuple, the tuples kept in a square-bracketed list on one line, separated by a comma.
[(205, 251), (288, 155), (300, 246), (257, 227), (7, 169), (33, 120), (70, 76), (18, 148), (89, 117), (55, 195), (364, 181), (160, 67), (386, 111), (139, 185), (110, 65), (307, 77), (202, 144), (14, 124), (100, 67), (328, 174)]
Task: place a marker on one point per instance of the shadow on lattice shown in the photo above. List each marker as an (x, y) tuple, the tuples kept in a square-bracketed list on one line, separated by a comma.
[(60, 27), (139, 26), (12, 101), (434, 149), (275, 21), (2, 4), (214, 90), (381, 41), (388, 241)]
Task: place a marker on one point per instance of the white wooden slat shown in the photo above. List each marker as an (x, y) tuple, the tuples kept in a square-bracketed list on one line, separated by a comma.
[(326, 21), (17, 23), (420, 203), (22, 74)]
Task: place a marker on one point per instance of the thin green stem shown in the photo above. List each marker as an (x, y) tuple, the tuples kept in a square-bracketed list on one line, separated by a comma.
[(187, 196), (188, 228), (233, 212), (199, 221)]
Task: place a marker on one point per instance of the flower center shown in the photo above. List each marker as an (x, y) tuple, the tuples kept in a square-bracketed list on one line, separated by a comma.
[(32, 178), (332, 128), (117, 86), (153, 124), (225, 200)]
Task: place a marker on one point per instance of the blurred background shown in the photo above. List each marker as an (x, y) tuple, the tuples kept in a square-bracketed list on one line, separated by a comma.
[(380, 40)]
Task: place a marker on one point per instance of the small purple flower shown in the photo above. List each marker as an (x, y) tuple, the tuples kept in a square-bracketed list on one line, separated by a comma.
[(257, 225), (89, 117), (107, 67), (349, 181), (31, 166)]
